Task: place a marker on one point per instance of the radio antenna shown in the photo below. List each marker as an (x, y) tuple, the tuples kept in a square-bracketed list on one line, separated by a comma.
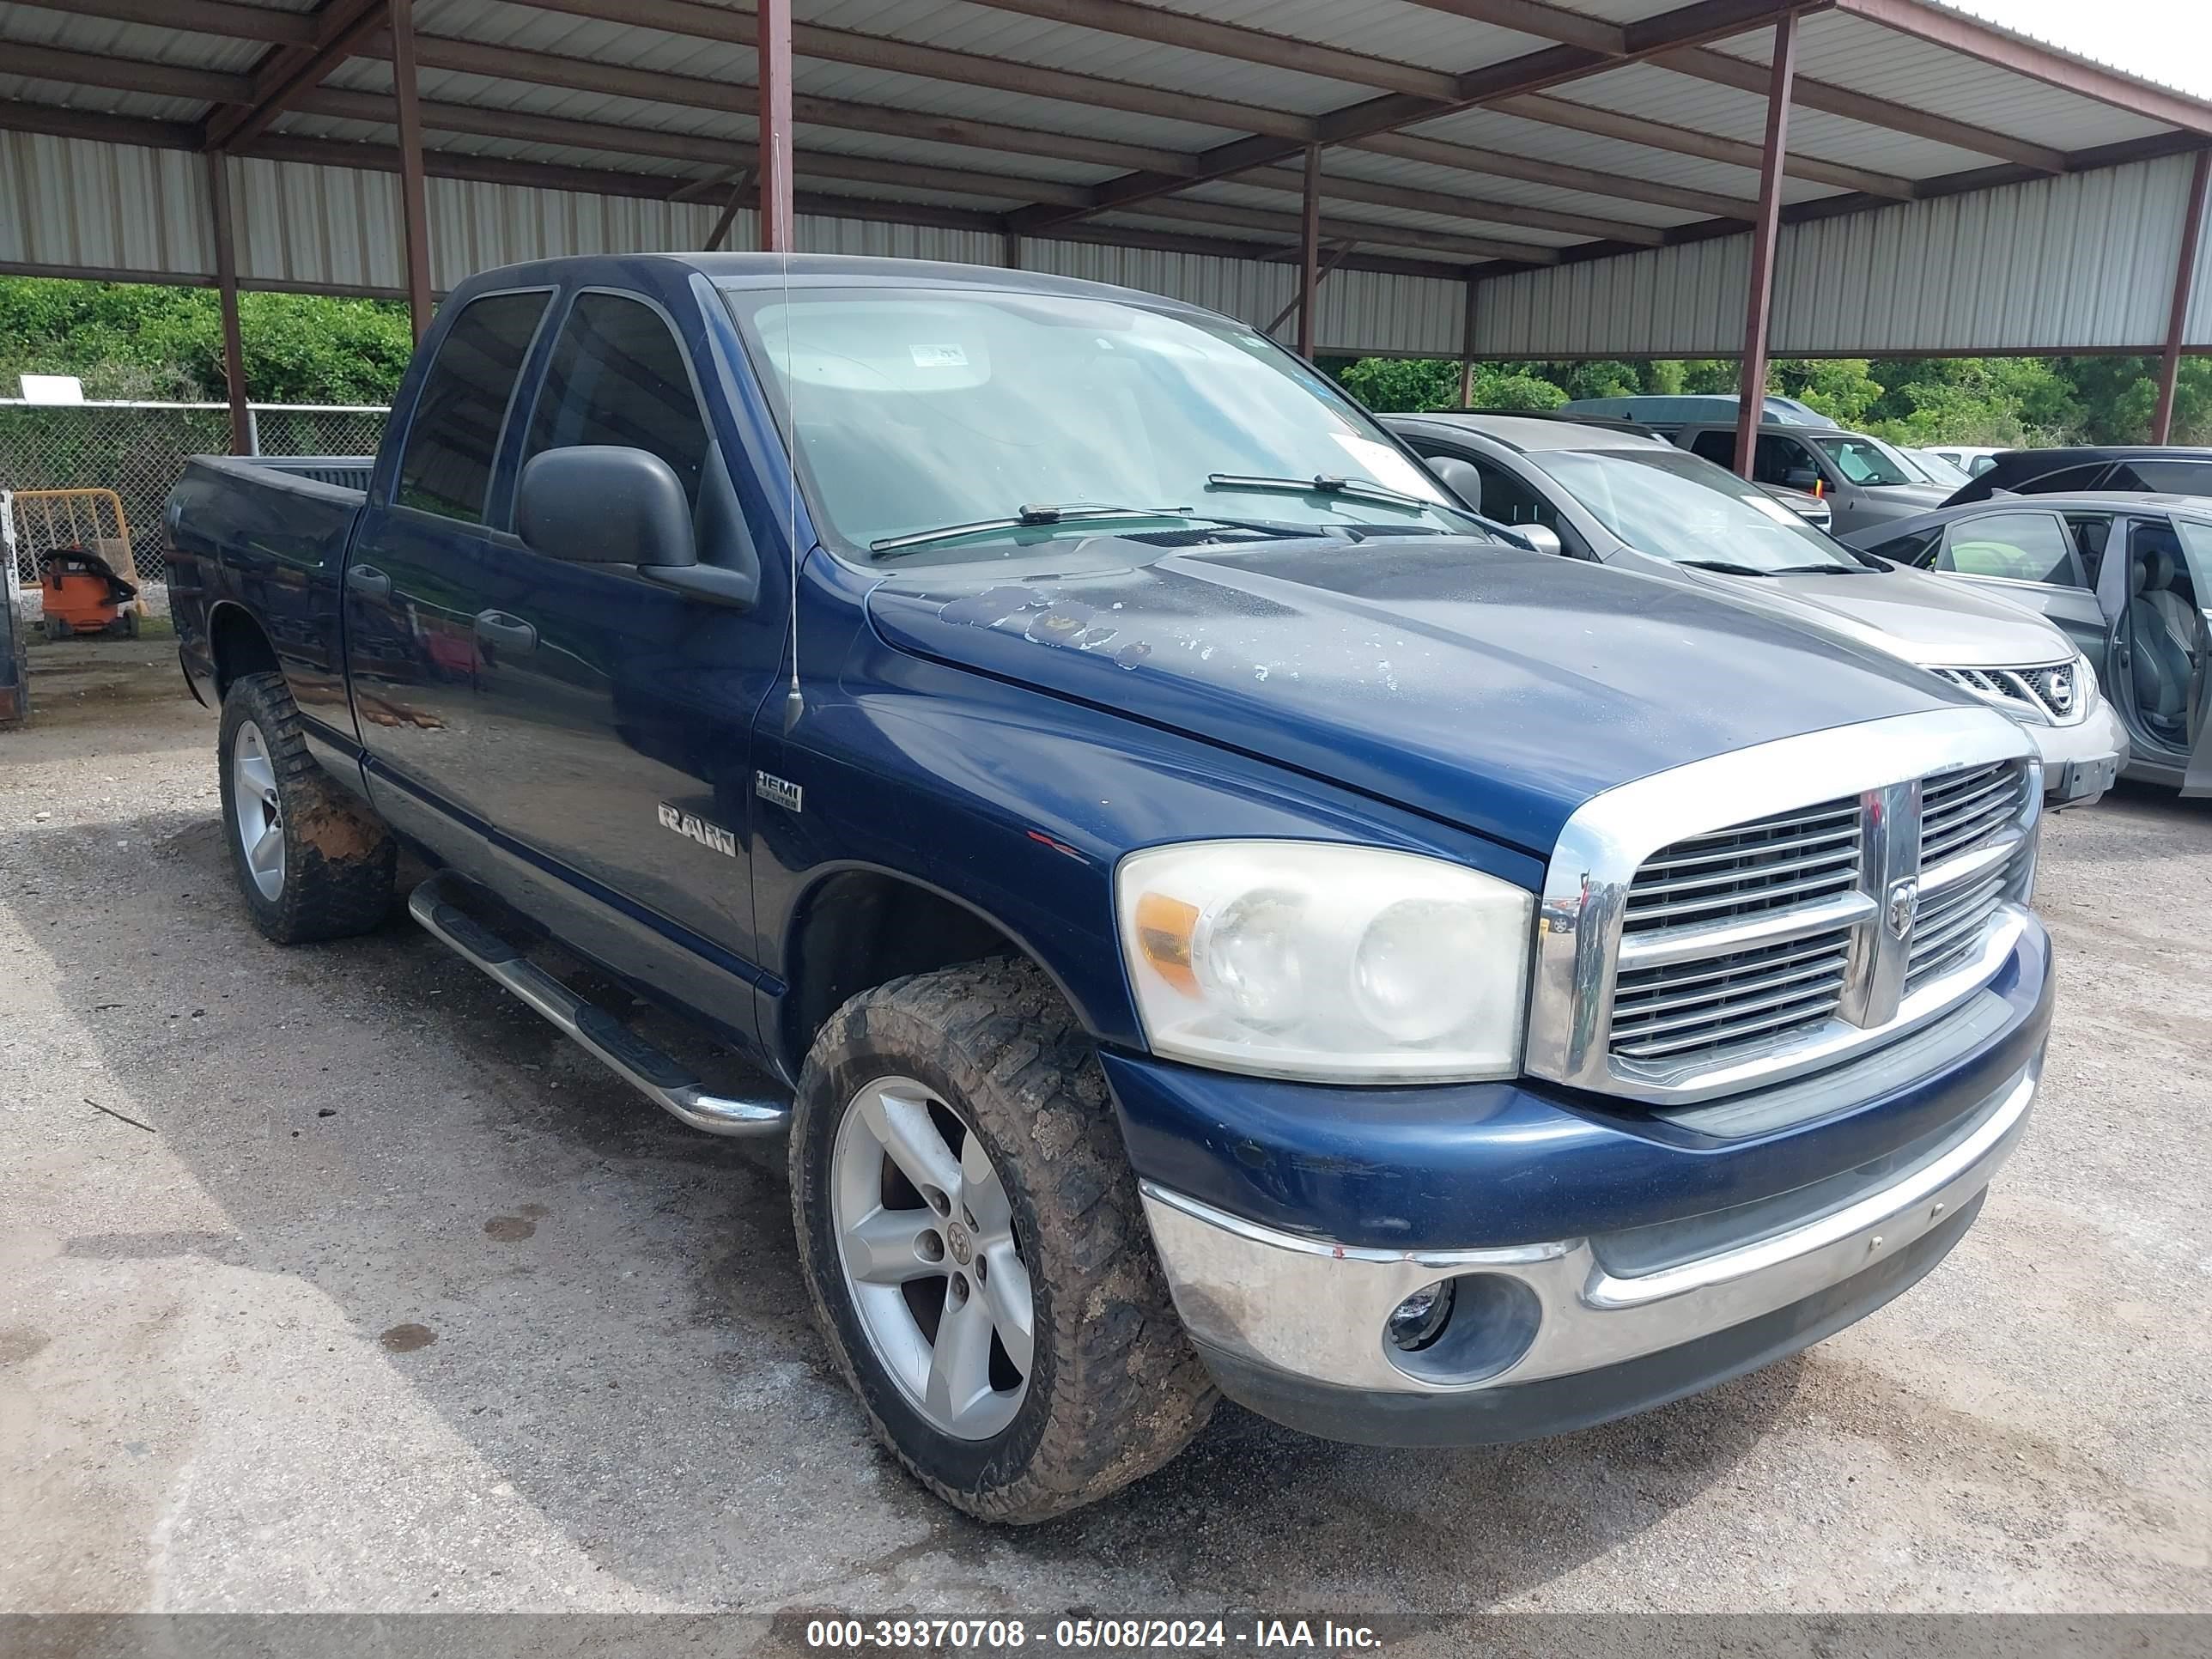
[(795, 700)]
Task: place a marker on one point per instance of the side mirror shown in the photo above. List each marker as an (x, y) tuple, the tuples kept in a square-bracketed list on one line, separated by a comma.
[(1802, 478), (601, 504), (1539, 538), (1461, 478)]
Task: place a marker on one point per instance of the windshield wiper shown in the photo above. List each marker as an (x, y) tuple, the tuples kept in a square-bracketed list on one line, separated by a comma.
[(1819, 570), (1042, 515), (1724, 568), (1320, 484)]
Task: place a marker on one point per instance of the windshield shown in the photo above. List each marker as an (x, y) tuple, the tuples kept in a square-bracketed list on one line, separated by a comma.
[(1676, 506), (951, 424), (1937, 470), (1865, 460)]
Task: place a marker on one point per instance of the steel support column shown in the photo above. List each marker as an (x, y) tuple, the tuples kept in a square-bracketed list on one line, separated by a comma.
[(728, 216), (225, 287), (1467, 349), (773, 44), (414, 193), (1310, 253), (1751, 404), (2184, 278)]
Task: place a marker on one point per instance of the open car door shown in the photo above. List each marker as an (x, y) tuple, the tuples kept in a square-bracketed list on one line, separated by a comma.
[(2197, 549)]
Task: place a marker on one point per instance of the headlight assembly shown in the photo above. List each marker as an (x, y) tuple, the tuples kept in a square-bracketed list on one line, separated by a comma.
[(1310, 959), (2086, 692)]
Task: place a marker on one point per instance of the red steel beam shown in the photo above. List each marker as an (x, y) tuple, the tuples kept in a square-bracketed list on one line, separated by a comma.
[(773, 51), (2184, 280), (1941, 27), (1751, 404), (1706, 146), (1725, 69), (1310, 253), (226, 283), (1499, 164), (1237, 42), (414, 190), (1450, 204), (1545, 22), (341, 27), (1691, 25)]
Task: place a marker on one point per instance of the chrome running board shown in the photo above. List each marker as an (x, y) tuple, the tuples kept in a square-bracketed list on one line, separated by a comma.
[(656, 1075)]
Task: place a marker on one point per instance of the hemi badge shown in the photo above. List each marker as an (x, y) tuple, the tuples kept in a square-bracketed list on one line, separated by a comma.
[(711, 835), (781, 791)]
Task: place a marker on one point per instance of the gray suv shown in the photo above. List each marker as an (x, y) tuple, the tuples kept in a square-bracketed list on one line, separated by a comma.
[(2128, 576), (1636, 502), (1865, 481)]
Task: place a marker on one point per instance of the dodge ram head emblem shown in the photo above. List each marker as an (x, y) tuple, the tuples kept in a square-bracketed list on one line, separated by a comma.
[(1904, 904)]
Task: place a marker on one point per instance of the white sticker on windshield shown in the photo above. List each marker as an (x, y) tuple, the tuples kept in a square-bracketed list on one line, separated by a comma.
[(938, 357), (1387, 466), (1773, 509)]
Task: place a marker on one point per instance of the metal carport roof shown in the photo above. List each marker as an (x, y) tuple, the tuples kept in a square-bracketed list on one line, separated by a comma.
[(1541, 178)]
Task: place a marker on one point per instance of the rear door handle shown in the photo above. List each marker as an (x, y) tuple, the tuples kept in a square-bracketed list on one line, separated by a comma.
[(509, 634), (367, 581)]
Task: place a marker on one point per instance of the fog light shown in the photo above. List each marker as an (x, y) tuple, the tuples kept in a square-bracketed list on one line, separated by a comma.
[(1419, 1319)]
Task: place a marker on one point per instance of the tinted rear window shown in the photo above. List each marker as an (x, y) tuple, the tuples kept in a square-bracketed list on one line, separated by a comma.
[(453, 439)]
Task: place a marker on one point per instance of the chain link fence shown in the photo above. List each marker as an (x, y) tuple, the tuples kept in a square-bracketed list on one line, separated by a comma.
[(138, 450)]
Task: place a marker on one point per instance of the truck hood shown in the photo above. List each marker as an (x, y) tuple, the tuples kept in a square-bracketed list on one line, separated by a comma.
[(1484, 685), (1922, 618)]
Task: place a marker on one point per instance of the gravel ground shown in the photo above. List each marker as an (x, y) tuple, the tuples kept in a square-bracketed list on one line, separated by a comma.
[(390, 1300)]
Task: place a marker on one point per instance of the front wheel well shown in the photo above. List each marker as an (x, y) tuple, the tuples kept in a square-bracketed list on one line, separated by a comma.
[(239, 647), (861, 928)]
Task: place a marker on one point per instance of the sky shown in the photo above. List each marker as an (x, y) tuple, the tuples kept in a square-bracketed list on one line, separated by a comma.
[(2168, 41)]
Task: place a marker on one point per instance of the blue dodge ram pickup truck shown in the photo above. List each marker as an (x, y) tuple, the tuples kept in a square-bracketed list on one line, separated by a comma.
[(1210, 915)]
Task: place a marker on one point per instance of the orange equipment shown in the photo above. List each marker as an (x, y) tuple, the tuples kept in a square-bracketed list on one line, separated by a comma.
[(83, 594)]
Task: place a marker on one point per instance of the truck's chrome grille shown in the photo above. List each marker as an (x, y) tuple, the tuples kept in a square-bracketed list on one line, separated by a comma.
[(1963, 811), (1761, 914), (1781, 862), (1950, 925), (1742, 990), (1743, 936), (1660, 1013)]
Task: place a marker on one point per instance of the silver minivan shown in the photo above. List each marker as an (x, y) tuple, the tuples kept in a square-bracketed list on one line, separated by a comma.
[(1866, 482), (1637, 502)]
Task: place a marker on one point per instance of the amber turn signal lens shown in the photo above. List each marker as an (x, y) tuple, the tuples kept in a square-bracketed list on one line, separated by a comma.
[(1164, 929)]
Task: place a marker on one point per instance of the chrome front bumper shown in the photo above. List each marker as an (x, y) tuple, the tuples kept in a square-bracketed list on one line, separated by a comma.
[(1304, 1311)]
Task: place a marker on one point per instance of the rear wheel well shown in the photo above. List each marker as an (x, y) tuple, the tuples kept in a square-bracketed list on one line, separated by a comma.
[(861, 928), (239, 647)]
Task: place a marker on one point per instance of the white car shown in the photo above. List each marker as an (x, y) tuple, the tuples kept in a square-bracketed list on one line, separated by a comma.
[(1973, 459)]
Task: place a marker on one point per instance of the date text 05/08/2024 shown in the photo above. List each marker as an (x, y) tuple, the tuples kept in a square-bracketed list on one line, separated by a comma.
[(1089, 1634)]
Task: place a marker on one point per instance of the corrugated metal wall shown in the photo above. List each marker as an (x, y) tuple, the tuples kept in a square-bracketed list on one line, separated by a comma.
[(74, 203), (2084, 260)]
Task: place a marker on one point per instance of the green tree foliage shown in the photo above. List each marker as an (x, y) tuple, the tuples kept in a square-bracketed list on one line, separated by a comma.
[(126, 340), (1908, 400)]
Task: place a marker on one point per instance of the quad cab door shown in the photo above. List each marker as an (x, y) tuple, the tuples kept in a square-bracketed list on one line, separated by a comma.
[(622, 710), (429, 551)]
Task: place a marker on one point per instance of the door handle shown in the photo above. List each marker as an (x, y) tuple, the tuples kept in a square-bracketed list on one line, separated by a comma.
[(509, 634), (368, 581)]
